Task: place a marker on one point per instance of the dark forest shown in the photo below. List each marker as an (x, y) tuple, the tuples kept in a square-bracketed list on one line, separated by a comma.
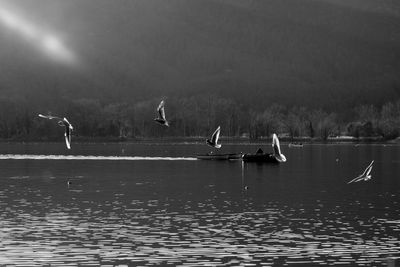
[(195, 116)]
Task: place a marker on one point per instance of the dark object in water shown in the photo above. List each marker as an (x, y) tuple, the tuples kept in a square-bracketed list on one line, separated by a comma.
[(393, 261), (260, 157), (212, 156)]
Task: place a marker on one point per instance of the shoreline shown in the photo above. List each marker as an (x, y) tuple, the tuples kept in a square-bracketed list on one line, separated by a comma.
[(227, 140)]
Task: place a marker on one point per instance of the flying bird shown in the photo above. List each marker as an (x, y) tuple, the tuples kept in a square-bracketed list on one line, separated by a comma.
[(161, 115), (277, 149), (365, 176), (214, 139), (64, 123)]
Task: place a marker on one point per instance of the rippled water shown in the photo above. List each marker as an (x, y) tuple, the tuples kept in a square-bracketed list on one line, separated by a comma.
[(152, 206)]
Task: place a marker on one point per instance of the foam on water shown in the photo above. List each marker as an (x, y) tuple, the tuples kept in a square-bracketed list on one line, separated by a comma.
[(81, 157)]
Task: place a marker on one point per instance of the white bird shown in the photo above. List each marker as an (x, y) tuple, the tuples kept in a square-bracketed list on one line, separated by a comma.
[(64, 123), (214, 139), (277, 149), (161, 115), (365, 176)]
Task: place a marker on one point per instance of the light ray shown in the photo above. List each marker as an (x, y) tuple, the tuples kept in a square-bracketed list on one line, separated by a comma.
[(54, 46), (49, 43)]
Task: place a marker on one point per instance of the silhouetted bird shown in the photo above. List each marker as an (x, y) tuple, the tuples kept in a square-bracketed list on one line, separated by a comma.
[(64, 123), (161, 115), (214, 139)]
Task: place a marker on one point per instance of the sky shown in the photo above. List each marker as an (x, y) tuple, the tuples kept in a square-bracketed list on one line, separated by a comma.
[(20, 26), (304, 52)]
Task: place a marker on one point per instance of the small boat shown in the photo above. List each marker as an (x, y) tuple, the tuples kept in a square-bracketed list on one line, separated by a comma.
[(260, 156), (212, 156), (295, 145)]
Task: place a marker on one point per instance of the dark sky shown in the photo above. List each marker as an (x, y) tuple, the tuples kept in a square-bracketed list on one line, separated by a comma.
[(304, 52)]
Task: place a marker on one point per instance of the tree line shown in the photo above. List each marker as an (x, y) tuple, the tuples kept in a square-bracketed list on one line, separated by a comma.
[(195, 116)]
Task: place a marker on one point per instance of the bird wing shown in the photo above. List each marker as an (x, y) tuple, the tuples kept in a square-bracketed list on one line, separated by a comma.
[(215, 135), (275, 145), (49, 117), (67, 123), (68, 141), (68, 136), (160, 110), (368, 169), (357, 179)]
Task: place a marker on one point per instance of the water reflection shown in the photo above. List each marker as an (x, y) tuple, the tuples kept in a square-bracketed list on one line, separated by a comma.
[(196, 213), (141, 232)]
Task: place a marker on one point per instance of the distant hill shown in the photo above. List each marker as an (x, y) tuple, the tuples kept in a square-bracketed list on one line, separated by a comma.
[(324, 53)]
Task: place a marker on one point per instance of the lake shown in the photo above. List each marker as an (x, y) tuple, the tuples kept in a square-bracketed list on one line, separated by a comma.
[(143, 204)]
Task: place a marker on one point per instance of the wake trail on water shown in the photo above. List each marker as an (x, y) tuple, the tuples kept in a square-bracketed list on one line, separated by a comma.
[(81, 157)]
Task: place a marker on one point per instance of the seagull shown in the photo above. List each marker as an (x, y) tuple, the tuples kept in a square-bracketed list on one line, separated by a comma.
[(161, 115), (365, 176), (277, 149), (64, 123), (214, 139)]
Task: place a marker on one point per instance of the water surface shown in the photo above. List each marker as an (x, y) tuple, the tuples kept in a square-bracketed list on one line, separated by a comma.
[(153, 204)]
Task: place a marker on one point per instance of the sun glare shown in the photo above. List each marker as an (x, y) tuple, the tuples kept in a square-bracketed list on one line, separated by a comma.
[(49, 43), (9, 19), (54, 46)]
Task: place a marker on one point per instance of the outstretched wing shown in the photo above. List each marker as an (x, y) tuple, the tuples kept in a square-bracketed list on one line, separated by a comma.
[(275, 145), (357, 179), (68, 141), (368, 169), (67, 134), (215, 135), (160, 110), (49, 117), (67, 123)]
